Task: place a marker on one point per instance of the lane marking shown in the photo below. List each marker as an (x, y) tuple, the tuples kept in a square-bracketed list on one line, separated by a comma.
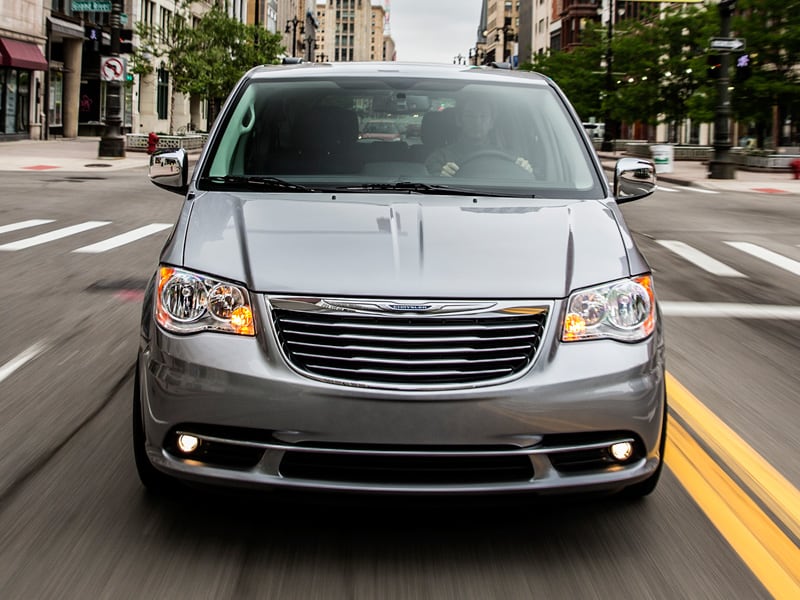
[(686, 188), (774, 490), (53, 235), (700, 259), (731, 310), (24, 225), (124, 238), (772, 557), (20, 359), (779, 260)]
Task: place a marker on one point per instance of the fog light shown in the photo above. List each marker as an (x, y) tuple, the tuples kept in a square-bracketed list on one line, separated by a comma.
[(187, 443), (621, 451)]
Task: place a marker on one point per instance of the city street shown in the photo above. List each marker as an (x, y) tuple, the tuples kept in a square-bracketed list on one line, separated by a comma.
[(75, 522)]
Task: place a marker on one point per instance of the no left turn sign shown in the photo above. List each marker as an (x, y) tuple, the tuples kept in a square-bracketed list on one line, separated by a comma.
[(112, 68)]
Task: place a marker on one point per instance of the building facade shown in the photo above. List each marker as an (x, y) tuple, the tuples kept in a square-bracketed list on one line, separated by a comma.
[(23, 70), (51, 53)]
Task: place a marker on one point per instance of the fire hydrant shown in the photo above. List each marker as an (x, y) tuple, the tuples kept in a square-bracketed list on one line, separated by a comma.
[(795, 165), (152, 142)]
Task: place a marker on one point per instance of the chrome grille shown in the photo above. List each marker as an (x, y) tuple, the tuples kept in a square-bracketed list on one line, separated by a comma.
[(369, 343)]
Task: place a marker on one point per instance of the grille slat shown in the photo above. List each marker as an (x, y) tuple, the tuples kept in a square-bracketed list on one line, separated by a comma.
[(384, 348), (402, 339)]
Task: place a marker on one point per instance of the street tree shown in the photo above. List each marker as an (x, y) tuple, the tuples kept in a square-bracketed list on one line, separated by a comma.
[(767, 89), (577, 73), (205, 56)]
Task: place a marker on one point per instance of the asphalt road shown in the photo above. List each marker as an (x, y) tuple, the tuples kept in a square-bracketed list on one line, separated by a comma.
[(75, 523)]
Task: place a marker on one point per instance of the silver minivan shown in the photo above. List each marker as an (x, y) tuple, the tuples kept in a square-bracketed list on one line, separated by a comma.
[(463, 311)]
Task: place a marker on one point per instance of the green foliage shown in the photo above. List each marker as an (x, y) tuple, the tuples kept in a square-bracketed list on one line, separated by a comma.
[(577, 73), (772, 31), (659, 66), (206, 60)]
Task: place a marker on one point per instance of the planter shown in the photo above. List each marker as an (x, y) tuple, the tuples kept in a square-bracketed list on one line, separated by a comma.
[(137, 142)]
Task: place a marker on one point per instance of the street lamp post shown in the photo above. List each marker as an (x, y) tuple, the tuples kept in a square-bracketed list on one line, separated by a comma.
[(609, 130), (112, 143), (721, 166), (292, 25)]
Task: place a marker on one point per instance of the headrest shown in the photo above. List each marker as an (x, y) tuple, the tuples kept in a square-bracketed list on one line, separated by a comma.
[(328, 127), (439, 127)]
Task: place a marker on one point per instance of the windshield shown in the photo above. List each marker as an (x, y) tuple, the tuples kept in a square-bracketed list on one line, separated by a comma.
[(355, 132)]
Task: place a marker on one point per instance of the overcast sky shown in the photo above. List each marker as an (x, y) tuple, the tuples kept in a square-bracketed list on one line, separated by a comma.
[(433, 30)]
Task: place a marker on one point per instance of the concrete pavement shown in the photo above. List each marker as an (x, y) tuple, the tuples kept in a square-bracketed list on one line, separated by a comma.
[(80, 155)]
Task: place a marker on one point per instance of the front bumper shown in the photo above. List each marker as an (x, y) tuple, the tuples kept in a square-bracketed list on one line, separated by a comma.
[(262, 424)]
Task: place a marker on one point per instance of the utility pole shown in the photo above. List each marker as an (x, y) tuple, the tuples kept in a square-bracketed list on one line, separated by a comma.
[(609, 130), (291, 25), (721, 166), (112, 142)]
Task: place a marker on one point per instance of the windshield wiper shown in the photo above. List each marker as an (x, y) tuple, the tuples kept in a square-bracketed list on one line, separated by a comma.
[(425, 188), (259, 182)]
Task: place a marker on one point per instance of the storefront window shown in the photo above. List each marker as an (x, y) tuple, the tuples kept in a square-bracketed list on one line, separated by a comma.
[(10, 104), (23, 101), (56, 99)]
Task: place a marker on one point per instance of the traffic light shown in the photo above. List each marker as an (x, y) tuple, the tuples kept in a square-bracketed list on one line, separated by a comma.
[(126, 41), (714, 68)]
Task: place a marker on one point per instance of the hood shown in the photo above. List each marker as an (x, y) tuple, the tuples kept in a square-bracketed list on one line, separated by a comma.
[(403, 245)]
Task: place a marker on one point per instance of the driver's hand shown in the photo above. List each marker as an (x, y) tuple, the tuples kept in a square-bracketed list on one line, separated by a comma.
[(521, 162), (449, 169)]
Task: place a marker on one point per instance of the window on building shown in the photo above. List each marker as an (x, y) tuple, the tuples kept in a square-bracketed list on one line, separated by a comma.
[(54, 102), (162, 93)]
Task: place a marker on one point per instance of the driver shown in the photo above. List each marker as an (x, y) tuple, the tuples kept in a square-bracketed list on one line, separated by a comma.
[(475, 121)]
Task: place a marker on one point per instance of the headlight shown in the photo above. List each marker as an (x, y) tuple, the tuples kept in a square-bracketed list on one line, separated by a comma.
[(187, 303), (623, 310)]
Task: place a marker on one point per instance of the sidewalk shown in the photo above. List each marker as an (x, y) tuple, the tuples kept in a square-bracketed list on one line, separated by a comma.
[(80, 155), (64, 154), (695, 173)]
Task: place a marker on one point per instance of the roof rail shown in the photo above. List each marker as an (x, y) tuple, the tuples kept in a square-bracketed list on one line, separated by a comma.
[(500, 65)]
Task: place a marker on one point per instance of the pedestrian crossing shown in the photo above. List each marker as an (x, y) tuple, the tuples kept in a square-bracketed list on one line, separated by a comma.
[(61, 233), (701, 259), (716, 267)]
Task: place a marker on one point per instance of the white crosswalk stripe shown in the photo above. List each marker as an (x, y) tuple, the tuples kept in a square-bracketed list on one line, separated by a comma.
[(23, 225), (685, 188), (96, 248), (779, 260), (700, 259), (53, 235), (122, 239)]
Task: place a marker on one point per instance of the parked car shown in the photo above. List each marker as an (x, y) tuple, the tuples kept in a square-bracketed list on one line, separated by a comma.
[(381, 130), (328, 317)]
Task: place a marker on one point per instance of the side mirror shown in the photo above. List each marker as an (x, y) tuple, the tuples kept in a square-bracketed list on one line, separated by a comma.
[(169, 169), (634, 178)]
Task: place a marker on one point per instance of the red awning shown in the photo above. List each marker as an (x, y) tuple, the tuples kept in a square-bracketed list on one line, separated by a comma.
[(23, 55)]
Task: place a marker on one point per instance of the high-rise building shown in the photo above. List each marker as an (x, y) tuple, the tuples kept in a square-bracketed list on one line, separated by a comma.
[(350, 30)]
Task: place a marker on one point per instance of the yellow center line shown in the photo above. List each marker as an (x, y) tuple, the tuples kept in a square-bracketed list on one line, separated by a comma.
[(780, 496), (772, 557)]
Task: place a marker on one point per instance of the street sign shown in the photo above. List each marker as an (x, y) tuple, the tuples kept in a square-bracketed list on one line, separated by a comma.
[(730, 44), (123, 18), (112, 68), (91, 6)]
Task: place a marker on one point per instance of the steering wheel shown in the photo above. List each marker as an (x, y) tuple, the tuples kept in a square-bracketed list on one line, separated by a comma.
[(487, 153), (493, 155)]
